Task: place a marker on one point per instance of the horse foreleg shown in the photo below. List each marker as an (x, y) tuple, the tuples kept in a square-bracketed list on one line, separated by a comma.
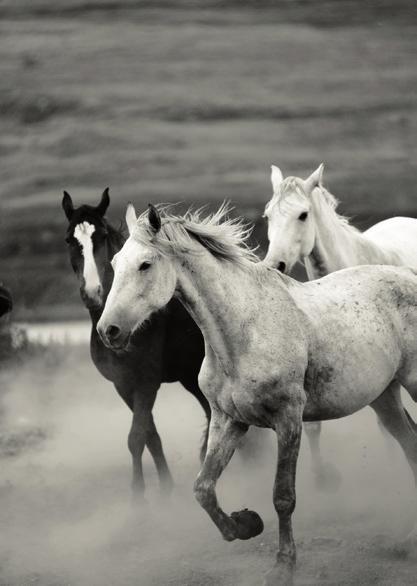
[(326, 476), (154, 445), (288, 429), (140, 432), (224, 435)]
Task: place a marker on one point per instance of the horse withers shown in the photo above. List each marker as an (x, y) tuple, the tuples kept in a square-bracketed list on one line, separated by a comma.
[(277, 351), (169, 348)]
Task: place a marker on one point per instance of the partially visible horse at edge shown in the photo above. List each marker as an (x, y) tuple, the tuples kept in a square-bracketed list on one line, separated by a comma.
[(167, 349), (304, 226), (277, 351)]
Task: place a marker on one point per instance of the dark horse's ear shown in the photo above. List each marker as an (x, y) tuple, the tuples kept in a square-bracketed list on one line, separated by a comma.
[(104, 204), (154, 218), (6, 301), (67, 205)]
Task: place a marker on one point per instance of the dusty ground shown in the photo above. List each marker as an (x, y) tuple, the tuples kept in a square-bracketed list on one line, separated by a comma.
[(67, 519)]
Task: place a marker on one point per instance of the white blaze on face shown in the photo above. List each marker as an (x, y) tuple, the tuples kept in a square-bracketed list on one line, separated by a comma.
[(83, 233)]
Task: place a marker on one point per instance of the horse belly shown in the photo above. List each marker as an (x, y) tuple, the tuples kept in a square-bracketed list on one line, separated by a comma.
[(349, 374)]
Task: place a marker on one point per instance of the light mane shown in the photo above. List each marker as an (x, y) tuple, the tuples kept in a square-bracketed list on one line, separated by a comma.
[(224, 237), (324, 202)]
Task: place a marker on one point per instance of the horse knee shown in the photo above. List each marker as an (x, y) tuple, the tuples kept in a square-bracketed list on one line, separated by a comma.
[(284, 506), (136, 441)]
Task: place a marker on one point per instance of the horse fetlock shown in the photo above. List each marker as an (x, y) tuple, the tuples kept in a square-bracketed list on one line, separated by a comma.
[(286, 558), (248, 524), (166, 485)]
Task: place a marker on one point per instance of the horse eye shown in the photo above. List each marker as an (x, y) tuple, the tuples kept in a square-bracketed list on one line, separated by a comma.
[(303, 216), (145, 266)]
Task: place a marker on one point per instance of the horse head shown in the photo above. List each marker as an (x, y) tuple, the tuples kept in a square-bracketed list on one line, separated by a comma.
[(91, 246), (291, 230)]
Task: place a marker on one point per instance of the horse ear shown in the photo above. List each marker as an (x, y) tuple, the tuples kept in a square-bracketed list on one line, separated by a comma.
[(276, 178), (315, 179), (130, 218), (67, 205), (104, 203), (6, 301), (154, 218)]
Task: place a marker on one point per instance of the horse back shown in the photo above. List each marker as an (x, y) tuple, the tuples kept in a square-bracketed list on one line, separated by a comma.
[(362, 325)]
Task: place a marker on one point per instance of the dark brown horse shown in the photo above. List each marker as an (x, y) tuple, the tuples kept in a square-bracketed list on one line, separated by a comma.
[(169, 348)]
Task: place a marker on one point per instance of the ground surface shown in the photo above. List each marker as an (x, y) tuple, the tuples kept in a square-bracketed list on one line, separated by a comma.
[(67, 519), (163, 102)]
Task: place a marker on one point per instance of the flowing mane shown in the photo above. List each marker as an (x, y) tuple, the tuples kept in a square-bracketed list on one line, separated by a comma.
[(224, 237), (324, 202)]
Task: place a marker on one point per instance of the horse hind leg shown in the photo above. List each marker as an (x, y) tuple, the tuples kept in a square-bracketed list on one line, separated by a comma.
[(397, 421), (327, 478), (395, 418)]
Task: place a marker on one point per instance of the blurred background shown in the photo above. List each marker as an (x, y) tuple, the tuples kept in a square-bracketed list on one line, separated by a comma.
[(185, 101), (192, 101)]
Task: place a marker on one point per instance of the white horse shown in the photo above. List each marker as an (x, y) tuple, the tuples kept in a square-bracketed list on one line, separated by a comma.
[(303, 225), (276, 351)]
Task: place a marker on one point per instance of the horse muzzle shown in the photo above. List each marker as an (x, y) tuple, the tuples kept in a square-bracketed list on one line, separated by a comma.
[(113, 337)]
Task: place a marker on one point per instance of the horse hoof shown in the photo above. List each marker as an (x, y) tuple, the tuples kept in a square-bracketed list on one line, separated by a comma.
[(166, 489), (279, 576), (248, 524), (328, 478)]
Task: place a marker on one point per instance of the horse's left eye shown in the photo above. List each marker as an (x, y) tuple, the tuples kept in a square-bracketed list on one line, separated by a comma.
[(145, 266), (303, 216)]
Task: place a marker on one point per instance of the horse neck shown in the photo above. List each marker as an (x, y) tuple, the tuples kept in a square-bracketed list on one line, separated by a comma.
[(114, 242), (337, 244), (219, 296)]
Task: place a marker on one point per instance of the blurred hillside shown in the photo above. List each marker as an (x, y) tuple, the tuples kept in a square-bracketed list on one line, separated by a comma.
[(166, 101)]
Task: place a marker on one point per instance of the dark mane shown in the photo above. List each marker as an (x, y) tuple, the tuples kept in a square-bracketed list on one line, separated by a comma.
[(116, 236)]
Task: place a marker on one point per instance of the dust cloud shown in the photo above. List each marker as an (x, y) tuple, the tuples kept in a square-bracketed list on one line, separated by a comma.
[(67, 517)]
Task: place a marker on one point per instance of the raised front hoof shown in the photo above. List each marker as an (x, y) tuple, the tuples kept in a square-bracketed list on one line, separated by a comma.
[(328, 478), (248, 524), (280, 575)]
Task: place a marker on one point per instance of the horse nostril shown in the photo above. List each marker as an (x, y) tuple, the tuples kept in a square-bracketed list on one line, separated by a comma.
[(113, 332), (281, 267)]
